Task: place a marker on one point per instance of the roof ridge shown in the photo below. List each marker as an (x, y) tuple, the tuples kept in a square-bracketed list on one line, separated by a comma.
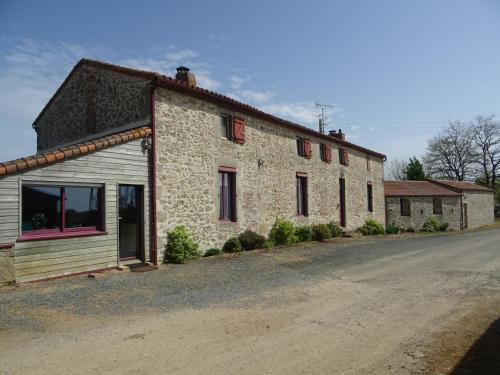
[(49, 157)]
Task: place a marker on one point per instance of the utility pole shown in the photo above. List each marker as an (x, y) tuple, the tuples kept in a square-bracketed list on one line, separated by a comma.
[(322, 116)]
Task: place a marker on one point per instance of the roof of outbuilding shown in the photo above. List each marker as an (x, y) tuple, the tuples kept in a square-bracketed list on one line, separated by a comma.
[(207, 95), (461, 185), (416, 189), (78, 149)]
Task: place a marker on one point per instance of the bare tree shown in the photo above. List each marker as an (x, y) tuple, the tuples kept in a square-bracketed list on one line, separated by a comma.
[(396, 169), (486, 133), (451, 154)]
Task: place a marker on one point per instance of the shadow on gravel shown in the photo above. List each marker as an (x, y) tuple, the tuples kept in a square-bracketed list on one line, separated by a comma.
[(484, 356)]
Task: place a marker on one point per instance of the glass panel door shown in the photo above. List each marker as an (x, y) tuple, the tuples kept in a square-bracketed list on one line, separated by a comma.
[(130, 214)]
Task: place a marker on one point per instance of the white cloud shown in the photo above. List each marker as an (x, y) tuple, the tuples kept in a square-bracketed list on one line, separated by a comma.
[(302, 112), (237, 81), (256, 96)]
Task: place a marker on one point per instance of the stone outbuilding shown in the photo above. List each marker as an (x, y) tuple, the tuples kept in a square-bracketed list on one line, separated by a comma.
[(478, 202), (408, 204), (125, 155)]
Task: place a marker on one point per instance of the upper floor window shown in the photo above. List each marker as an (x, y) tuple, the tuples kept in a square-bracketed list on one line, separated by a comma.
[(227, 194), (437, 206), (343, 157), (368, 163), (405, 206), (50, 210), (232, 128), (226, 127), (304, 147), (302, 204), (325, 152)]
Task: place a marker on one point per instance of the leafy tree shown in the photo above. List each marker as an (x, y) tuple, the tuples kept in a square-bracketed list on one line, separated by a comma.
[(414, 170)]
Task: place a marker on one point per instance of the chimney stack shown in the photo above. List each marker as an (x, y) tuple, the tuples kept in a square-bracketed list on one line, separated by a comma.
[(335, 134), (184, 75)]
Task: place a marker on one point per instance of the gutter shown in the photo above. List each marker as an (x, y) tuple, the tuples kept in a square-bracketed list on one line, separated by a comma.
[(154, 238)]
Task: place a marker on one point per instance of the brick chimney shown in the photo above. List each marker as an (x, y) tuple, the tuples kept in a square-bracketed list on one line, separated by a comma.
[(184, 75), (335, 134)]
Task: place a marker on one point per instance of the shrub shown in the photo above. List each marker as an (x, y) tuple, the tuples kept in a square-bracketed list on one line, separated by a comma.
[(304, 233), (410, 230), (335, 230), (370, 227), (250, 240), (232, 245), (443, 227), (321, 232), (392, 229), (268, 244), (212, 251), (431, 225), (180, 246), (283, 232)]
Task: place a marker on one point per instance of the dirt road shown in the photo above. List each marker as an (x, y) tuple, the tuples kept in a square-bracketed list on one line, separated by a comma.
[(401, 306)]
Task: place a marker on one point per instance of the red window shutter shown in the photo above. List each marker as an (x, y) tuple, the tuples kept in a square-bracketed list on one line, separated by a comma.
[(346, 158), (239, 130), (307, 149), (328, 153)]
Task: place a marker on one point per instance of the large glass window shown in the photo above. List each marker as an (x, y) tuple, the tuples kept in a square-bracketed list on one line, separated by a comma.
[(52, 209), (302, 196)]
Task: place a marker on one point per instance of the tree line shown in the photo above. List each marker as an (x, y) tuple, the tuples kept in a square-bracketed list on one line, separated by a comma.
[(462, 151)]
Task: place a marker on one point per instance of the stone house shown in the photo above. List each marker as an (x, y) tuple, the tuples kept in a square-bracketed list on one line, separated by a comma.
[(478, 202), (462, 205), (408, 204), (125, 155)]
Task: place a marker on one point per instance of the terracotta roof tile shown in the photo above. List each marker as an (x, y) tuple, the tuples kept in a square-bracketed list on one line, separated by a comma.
[(461, 185), (415, 188), (72, 150)]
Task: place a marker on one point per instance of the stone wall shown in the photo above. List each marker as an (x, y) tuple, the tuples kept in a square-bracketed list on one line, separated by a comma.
[(421, 208), (7, 268), (480, 208), (190, 151), (93, 101)]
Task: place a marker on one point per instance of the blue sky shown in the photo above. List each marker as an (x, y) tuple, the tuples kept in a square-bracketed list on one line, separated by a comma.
[(395, 71)]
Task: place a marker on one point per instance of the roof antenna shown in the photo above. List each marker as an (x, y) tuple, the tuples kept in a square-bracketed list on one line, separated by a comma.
[(322, 116)]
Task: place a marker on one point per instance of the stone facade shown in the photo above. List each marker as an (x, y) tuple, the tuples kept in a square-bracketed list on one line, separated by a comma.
[(93, 101), (190, 149), (480, 208), (421, 208)]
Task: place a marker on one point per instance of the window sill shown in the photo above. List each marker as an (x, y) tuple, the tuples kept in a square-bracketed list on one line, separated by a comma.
[(55, 236)]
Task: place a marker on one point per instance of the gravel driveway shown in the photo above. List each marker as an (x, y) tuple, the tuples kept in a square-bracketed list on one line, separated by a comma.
[(370, 306)]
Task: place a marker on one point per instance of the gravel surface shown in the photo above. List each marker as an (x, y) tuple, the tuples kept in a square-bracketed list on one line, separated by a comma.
[(401, 291)]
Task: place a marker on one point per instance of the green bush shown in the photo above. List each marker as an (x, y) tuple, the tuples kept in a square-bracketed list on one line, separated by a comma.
[(443, 227), (321, 232), (371, 227), (232, 245), (410, 230), (335, 230), (304, 233), (268, 244), (392, 229), (431, 225), (283, 232), (250, 240), (180, 246), (212, 251)]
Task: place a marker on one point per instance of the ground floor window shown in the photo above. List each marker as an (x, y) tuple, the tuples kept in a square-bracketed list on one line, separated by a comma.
[(369, 192), (54, 209), (227, 194), (405, 206), (437, 206), (302, 194)]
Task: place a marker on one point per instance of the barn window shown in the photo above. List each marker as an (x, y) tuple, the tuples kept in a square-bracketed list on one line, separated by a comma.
[(232, 128), (326, 152), (369, 193), (226, 129), (302, 204), (437, 206), (405, 206), (227, 194), (50, 210), (300, 146), (343, 157)]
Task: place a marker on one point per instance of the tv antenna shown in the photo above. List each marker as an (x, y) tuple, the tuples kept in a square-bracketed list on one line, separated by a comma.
[(322, 116)]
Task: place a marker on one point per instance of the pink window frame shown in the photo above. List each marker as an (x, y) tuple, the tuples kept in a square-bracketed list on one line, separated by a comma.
[(63, 232)]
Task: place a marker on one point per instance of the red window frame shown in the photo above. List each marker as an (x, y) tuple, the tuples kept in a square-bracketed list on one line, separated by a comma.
[(227, 198), (62, 231)]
